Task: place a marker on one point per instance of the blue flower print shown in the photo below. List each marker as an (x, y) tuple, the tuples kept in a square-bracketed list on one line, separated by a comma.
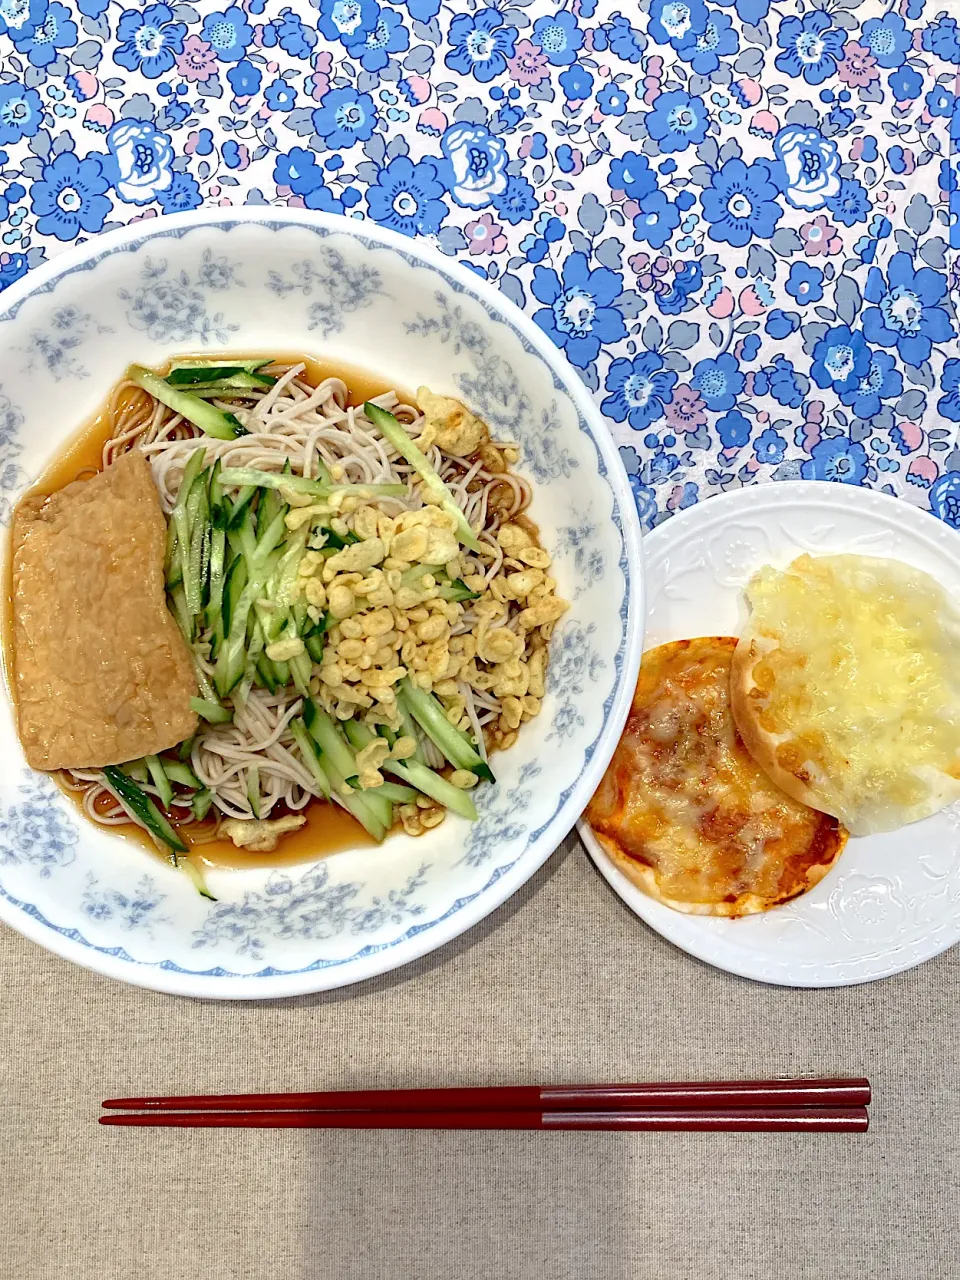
[(149, 39), (280, 96), (678, 121), (69, 197), (638, 389), (322, 197), (13, 267), (20, 18), (183, 193), (559, 37), (244, 79), (480, 44), (625, 40), (344, 117), (882, 381), (841, 359), (906, 315), (948, 406), (517, 202), (941, 102), (612, 100), (945, 499), (740, 203), (943, 39), (704, 49), (851, 204), (672, 21), (749, 11), (632, 174), (769, 447), (779, 324), (298, 170), (349, 21), (423, 10), (56, 32), (888, 39), (657, 220), (292, 36), (781, 378), (733, 429), (906, 84), (576, 83), (388, 36), (836, 459), (643, 495), (808, 172), (687, 279), (406, 197), (142, 161), (811, 46), (21, 112), (805, 283), (719, 381), (227, 33), (477, 161), (578, 315)]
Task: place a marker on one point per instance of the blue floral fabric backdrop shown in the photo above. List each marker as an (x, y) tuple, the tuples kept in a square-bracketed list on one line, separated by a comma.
[(734, 217)]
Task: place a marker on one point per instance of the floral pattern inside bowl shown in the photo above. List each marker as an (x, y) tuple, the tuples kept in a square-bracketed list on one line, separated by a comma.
[(314, 284)]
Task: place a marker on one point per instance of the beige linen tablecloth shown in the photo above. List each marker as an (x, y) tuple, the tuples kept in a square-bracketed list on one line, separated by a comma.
[(562, 984)]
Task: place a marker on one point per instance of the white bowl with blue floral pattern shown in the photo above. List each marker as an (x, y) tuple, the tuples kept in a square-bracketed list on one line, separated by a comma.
[(295, 281)]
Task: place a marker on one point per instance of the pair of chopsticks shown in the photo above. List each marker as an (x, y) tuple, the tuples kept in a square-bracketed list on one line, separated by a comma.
[(734, 1106)]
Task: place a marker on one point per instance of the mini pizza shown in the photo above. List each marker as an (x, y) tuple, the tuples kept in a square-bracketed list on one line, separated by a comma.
[(685, 812)]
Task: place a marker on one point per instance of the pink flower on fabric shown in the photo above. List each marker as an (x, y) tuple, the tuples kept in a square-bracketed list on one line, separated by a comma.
[(197, 61), (820, 237), (907, 436), (529, 63), (686, 410), (859, 67), (319, 82), (485, 236), (99, 118), (922, 471)]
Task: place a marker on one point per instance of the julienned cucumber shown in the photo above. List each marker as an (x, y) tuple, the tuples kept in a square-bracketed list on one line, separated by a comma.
[(433, 785), (418, 775), (309, 755), (196, 876), (454, 589), (393, 432), (211, 711), (241, 376), (430, 716), (142, 809), (211, 420), (244, 476), (300, 484)]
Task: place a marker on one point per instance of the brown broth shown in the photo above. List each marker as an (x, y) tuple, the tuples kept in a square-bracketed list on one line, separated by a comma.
[(328, 829)]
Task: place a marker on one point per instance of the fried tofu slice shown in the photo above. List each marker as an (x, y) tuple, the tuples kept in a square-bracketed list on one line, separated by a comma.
[(101, 672)]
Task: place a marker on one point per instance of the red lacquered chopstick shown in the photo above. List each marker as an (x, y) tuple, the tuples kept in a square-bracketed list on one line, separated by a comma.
[(716, 1094), (728, 1120)]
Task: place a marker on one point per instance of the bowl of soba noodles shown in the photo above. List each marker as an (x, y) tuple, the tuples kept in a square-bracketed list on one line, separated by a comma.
[(325, 602)]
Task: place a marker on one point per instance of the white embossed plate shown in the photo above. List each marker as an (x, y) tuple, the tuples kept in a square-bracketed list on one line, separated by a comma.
[(892, 900)]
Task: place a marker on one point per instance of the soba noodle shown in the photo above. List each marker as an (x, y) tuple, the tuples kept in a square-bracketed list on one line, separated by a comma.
[(296, 422)]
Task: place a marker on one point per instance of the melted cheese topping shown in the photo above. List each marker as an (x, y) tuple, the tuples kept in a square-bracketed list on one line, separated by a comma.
[(683, 800), (857, 685)]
